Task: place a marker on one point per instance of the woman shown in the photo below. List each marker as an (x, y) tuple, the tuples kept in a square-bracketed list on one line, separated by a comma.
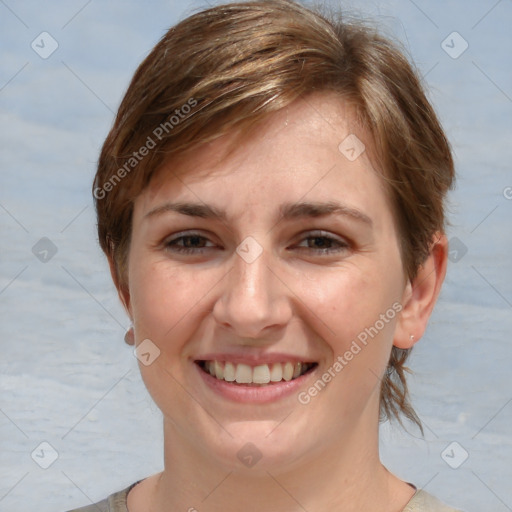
[(270, 200)]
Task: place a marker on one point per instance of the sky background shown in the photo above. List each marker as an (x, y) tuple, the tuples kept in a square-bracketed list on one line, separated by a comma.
[(66, 376)]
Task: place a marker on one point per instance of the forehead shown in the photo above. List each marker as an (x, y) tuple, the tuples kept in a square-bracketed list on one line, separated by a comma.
[(313, 146)]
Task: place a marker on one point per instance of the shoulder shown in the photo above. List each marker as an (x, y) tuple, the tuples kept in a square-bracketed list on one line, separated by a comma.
[(114, 503), (424, 502)]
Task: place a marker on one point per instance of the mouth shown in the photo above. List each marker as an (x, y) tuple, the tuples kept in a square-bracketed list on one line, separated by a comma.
[(255, 376)]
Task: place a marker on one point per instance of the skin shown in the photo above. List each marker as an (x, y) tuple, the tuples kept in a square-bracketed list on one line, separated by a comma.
[(292, 299)]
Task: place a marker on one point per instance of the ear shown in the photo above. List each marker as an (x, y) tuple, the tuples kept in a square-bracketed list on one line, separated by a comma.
[(122, 288), (421, 294)]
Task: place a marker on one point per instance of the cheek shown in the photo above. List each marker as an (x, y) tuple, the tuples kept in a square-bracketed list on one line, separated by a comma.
[(348, 300), (163, 296), (355, 313), (165, 303)]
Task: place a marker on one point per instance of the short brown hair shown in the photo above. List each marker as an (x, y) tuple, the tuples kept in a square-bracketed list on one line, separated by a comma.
[(227, 68)]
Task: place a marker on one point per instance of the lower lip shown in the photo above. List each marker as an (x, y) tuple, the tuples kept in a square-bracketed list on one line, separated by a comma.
[(254, 394)]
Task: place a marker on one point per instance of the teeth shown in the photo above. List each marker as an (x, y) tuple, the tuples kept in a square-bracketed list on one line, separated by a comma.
[(219, 372), (288, 371), (276, 374), (261, 374), (229, 372), (243, 374)]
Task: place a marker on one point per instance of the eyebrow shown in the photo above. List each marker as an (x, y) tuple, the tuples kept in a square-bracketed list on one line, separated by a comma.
[(287, 211), (300, 210)]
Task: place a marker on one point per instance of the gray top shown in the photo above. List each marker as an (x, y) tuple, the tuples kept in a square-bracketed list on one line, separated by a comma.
[(421, 502)]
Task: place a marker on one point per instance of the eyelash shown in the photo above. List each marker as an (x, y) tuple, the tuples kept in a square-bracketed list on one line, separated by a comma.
[(171, 244)]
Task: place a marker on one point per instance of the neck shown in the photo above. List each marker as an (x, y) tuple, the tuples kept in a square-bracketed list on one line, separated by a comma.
[(347, 477)]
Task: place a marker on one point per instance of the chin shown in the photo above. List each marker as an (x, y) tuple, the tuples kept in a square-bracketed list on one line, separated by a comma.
[(259, 446)]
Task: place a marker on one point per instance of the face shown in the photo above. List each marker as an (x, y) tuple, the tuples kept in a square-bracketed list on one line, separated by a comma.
[(278, 271)]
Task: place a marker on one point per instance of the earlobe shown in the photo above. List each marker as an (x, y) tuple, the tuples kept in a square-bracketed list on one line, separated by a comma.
[(421, 294)]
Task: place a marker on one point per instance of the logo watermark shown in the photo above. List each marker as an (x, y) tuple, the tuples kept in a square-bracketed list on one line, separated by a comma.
[(361, 341), (137, 156)]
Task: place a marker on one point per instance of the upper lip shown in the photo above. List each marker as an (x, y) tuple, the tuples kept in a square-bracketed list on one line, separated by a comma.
[(255, 359)]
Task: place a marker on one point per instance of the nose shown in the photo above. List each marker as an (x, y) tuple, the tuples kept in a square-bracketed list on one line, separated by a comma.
[(254, 302)]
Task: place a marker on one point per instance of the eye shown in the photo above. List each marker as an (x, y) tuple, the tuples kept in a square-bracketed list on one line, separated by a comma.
[(191, 243), (195, 243), (324, 244)]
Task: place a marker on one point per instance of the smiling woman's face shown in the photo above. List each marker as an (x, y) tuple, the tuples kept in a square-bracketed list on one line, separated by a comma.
[(267, 282)]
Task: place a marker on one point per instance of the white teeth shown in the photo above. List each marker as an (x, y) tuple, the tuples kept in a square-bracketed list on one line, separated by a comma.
[(229, 372), (288, 371), (219, 371), (261, 374), (276, 374), (243, 374)]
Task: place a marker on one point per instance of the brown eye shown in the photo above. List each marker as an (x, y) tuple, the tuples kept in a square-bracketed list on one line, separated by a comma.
[(188, 244), (324, 244)]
